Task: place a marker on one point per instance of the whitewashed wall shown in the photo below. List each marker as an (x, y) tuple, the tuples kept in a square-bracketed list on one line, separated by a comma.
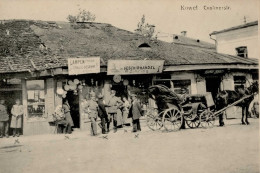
[(228, 42)]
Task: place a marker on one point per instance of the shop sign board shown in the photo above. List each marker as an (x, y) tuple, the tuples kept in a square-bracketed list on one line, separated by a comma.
[(83, 65), (126, 67)]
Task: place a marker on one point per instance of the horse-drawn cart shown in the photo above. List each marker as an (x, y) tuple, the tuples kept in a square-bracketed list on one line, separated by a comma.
[(172, 111)]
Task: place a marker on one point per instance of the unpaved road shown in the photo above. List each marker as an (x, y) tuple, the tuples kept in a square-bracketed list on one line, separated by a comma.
[(230, 149)]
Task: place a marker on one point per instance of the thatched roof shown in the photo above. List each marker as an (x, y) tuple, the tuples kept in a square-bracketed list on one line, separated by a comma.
[(38, 45)]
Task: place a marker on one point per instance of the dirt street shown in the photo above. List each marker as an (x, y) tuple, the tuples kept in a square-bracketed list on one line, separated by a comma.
[(230, 149)]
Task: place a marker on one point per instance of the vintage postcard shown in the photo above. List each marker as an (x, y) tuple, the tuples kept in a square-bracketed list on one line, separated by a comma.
[(141, 86)]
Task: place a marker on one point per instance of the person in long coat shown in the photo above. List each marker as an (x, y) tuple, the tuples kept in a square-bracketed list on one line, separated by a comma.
[(4, 118), (135, 112), (102, 113), (16, 122), (66, 108), (126, 107), (92, 108), (114, 104)]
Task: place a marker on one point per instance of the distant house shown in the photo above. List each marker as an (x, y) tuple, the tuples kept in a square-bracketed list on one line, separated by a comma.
[(43, 62), (184, 40), (239, 40)]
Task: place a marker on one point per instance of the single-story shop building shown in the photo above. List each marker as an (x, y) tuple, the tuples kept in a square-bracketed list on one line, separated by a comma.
[(43, 62)]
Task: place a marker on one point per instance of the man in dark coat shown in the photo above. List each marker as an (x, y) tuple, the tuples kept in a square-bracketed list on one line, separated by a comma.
[(4, 117), (102, 113), (135, 112)]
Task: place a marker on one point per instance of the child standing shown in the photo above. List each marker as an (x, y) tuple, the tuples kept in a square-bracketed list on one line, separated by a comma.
[(16, 122)]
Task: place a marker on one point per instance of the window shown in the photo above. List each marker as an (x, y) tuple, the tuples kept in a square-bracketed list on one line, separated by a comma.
[(238, 81), (35, 98), (178, 85), (163, 82), (242, 51)]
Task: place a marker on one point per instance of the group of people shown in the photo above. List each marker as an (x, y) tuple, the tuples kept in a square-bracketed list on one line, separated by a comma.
[(15, 119), (93, 108), (110, 112)]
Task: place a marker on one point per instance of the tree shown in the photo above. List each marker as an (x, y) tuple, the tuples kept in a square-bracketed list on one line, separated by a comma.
[(82, 16), (145, 29)]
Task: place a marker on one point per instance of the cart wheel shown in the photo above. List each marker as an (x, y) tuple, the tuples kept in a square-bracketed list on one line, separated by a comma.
[(207, 119), (193, 123), (172, 119), (154, 120)]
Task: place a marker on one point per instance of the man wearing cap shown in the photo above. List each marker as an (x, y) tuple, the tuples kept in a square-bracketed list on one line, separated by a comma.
[(102, 113), (92, 107), (114, 104), (135, 112)]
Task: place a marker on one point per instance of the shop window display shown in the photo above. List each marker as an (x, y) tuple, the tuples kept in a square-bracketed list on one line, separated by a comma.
[(175, 85), (178, 85), (35, 98)]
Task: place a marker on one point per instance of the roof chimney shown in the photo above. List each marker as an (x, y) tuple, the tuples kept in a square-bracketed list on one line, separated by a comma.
[(184, 33)]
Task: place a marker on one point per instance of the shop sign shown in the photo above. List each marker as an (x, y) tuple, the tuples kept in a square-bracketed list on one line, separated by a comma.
[(126, 67), (83, 65), (14, 81)]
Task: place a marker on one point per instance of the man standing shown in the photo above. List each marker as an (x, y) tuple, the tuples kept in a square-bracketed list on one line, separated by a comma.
[(114, 104), (135, 112), (102, 113), (92, 107), (4, 117)]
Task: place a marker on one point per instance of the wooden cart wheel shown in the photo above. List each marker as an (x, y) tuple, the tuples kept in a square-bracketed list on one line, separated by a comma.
[(194, 122), (172, 119), (154, 120), (207, 119)]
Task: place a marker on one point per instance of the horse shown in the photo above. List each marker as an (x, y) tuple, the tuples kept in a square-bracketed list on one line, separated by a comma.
[(226, 97)]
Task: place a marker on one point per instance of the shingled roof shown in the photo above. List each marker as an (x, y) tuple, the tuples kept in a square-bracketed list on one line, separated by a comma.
[(28, 45)]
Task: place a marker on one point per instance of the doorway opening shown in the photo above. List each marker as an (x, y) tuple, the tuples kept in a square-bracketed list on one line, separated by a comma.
[(213, 85), (10, 96), (74, 108)]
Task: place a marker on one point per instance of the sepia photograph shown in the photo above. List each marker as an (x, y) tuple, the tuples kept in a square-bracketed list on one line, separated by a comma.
[(133, 86)]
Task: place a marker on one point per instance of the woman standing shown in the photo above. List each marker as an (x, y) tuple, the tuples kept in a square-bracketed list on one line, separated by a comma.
[(16, 122), (66, 108)]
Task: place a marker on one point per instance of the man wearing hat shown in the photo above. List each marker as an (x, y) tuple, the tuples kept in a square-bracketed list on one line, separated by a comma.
[(114, 104), (135, 112), (102, 113), (92, 107)]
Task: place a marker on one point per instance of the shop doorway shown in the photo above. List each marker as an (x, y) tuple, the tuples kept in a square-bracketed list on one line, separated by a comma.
[(74, 108), (121, 90), (10, 97), (213, 85)]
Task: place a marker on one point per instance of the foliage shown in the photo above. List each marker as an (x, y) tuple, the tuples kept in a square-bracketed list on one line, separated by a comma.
[(145, 29), (82, 16)]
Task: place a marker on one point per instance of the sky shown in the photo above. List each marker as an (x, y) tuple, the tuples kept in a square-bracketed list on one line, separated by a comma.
[(166, 15)]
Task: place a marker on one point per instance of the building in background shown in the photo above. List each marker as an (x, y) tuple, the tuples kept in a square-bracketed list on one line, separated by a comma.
[(184, 40), (239, 40), (38, 61)]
